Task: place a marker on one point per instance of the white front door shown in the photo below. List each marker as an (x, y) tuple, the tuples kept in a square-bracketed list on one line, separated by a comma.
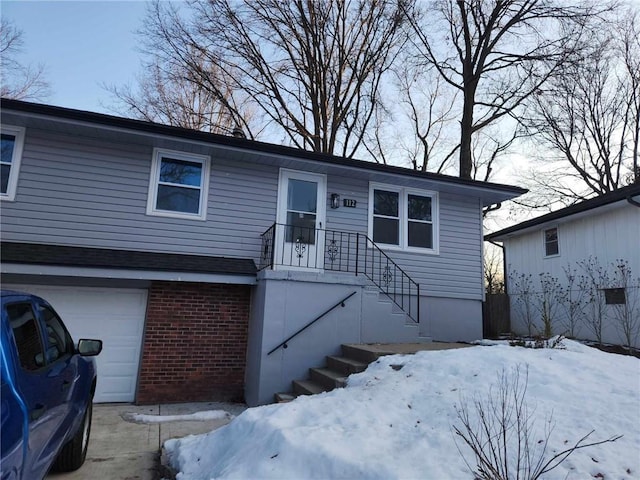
[(299, 242)]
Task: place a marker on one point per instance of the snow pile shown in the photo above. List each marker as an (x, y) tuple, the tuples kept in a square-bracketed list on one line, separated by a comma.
[(395, 420)]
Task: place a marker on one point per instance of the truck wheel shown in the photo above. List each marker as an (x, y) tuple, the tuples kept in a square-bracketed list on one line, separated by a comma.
[(72, 455)]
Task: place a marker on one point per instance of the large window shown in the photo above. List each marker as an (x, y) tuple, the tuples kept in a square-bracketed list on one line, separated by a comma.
[(12, 141), (403, 218), (179, 184)]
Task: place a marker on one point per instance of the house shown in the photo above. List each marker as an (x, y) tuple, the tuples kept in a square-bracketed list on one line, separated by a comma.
[(597, 238), (196, 256)]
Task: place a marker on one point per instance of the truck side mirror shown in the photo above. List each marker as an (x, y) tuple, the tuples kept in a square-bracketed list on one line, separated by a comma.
[(89, 348)]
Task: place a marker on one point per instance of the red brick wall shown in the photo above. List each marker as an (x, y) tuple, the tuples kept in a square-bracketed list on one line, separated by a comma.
[(195, 343)]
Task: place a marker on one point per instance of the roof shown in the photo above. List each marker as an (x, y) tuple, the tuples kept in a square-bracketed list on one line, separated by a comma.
[(597, 202), (242, 143), (42, 254)]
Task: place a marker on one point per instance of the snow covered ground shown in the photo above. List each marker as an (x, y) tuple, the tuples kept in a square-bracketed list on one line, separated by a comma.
[(393, 422)]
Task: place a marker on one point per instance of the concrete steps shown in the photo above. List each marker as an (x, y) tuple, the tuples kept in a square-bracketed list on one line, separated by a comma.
[(307, 387), (346, 365), (354, 359), (386, 323)]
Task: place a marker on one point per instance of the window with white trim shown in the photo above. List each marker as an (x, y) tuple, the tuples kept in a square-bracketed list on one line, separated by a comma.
[(12, 141), (403, 218), (179, 184), (551, 245)]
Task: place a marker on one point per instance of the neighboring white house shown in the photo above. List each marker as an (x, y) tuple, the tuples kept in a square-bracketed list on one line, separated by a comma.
[(601, 234)]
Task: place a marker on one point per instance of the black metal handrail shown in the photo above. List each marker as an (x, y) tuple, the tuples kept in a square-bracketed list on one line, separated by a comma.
[(284, 343), (266, 251), (384, 273), (299, 246)]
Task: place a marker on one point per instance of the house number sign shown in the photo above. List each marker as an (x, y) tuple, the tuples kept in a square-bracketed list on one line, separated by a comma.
[(349, 202)]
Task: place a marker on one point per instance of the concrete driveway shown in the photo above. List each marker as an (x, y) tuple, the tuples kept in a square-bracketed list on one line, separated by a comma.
[(123, 450)]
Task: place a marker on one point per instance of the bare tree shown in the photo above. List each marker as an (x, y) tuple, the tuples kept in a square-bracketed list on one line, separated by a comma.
[(586, 119), (17, 80), (493, 270), (496, 53), (168, 94), (548, 303), (629, 45), (522, 290), (311, 69), (594, 281), (571, 302), (430, 109)]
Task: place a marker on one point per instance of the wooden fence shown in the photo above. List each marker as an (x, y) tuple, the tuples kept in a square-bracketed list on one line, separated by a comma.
[(496, 319)]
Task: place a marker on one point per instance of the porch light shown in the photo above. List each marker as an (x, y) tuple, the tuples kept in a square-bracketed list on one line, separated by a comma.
[(335, 200)]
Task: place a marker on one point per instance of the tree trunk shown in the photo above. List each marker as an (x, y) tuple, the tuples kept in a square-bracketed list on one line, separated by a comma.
[(466, 130)]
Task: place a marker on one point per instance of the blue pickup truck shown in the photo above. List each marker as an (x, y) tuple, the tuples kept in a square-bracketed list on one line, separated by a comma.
[(47, 390)]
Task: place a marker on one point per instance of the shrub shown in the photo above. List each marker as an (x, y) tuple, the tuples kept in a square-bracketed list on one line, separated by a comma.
[(499, 430)]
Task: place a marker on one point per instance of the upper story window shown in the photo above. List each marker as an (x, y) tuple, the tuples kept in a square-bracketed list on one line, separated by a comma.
[(403, 218), (551, 245), (179, 184), (12, 142)]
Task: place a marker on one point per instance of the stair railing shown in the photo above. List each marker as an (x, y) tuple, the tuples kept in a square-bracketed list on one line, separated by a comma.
[(284, 343), (336, 251), (390, 279)]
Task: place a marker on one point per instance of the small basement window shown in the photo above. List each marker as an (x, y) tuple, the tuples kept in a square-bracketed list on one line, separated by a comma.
[(551, 245), (614, 296), (179, 185)]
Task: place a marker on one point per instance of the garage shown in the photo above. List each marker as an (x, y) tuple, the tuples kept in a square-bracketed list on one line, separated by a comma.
[(113, 315)]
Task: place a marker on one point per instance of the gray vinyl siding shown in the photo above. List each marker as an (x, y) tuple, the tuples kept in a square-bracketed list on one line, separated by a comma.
[(87, 191), (346, 219)]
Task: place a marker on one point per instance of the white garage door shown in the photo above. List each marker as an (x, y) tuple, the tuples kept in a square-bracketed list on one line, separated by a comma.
[(113, 315)]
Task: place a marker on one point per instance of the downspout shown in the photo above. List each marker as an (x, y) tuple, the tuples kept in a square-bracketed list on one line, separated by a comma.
[(492, 208), (632, 201)]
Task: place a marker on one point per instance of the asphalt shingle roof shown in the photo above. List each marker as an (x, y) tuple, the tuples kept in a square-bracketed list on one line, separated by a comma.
[(42, 254), (605, 199)]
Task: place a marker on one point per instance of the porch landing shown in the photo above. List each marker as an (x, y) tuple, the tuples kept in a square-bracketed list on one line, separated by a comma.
[(407, 348)]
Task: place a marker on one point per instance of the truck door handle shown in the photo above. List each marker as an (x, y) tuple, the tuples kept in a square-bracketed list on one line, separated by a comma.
[(37, 412), (65, 385)]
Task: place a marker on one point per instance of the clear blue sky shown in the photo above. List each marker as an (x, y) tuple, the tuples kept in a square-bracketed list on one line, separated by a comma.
[(82, 44)]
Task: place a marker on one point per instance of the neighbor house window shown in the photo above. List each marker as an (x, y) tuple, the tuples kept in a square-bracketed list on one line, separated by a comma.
[(551, 246), (179, 184), (403, 218), (12, 141), (614, 296)]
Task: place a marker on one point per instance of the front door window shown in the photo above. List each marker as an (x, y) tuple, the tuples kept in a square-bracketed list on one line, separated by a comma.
[(302, 206)]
